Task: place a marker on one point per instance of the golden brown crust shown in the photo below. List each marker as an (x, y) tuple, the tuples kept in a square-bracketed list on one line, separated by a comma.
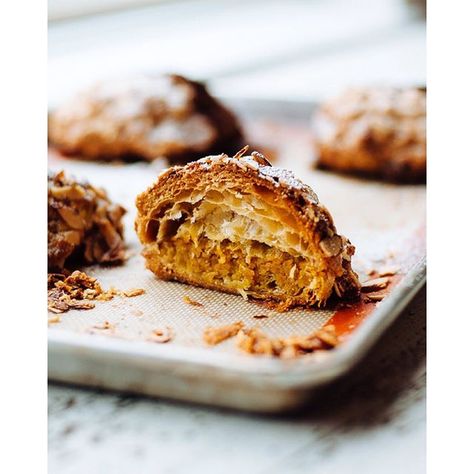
[(378, 132), (145, 118), (83, 224), (248, 182)]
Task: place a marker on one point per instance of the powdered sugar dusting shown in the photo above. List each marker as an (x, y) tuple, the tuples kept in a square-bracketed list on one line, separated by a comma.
[(277, 176)]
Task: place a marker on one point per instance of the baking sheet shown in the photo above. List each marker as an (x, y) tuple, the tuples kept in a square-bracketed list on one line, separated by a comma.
[(384, 221)]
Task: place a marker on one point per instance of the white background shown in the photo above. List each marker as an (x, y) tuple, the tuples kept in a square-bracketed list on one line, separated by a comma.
[(23, 121)]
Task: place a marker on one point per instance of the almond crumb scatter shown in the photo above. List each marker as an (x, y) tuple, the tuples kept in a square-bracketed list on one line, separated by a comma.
[(215, 335), (78, 290), (254, 341), (191, 302)]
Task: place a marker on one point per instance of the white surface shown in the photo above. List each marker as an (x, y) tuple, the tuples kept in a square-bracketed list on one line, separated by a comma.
[(372, 422)]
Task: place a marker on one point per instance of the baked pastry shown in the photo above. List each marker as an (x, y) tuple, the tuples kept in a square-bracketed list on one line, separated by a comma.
[(84, 226), (143, 118), (379, 132), (238, 225)]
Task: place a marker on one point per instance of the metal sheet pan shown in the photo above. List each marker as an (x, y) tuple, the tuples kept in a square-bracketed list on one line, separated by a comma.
[(384, 221)]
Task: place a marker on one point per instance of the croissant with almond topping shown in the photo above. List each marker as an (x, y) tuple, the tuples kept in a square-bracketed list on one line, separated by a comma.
[(378, 132), (84, 226), (239, 225), (144, 117)]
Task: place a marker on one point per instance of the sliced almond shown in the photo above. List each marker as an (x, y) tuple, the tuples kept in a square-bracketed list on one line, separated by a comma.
[(72, 237), (376, 296), (242, 152), (331, 246), (72, 218), (134, 292), (375, 284), (388, 271), (215, 335), (72, 192), (260, 159), (112, 237), (328, 335)]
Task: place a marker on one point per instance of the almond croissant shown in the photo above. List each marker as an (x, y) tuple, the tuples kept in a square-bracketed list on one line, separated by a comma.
[(238, 225)]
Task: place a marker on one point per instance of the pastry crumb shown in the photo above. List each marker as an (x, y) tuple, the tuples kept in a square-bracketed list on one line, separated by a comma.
[(191, 302), (161, 336), (371, 297), (215, 335), (134, 292), (54, 319), (106, 325), (78, 291)]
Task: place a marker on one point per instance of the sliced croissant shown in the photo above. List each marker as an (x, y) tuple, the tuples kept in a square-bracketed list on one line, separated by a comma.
[(238, 225)]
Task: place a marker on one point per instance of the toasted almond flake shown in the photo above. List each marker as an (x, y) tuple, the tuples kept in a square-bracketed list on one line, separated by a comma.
[(106, 296), (80, 304), (388, 271), (376, 296), (134, 292), (215, 335), (54, 319), (191, 302), (327, 334), (331, 246), (78, 290), (242, 152), (375, 284), (254, 341)]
